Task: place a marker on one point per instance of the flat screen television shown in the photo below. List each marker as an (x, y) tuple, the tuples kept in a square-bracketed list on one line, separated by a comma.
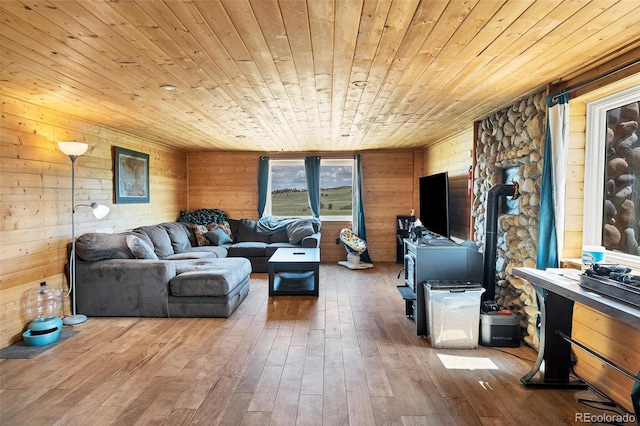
[(434, 203)]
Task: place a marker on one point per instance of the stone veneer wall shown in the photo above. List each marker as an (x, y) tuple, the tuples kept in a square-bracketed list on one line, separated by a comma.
[(513, 138)]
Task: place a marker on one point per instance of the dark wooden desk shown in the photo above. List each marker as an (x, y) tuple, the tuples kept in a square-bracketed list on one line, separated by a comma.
[(294, 271), (563, 290)]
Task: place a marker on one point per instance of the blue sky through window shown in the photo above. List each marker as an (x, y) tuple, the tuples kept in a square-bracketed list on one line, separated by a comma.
[(293, 177)]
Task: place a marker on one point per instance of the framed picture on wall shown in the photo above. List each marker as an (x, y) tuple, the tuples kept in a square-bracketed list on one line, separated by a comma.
[(131, 175)]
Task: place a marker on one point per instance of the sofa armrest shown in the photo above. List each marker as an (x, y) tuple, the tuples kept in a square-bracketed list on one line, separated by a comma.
[(123, 287), (312, 241)]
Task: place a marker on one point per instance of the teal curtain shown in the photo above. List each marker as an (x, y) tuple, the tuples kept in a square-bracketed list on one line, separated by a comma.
[(358, 207), (554, 166), (263, 184), (312, 174)]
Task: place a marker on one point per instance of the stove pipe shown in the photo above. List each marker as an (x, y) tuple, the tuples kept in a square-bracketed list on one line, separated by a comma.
[(491, 237)]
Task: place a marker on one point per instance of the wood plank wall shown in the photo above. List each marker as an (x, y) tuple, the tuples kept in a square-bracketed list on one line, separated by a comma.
[(605, 335), (614, 340), (454, 155), (229, 181), (35, 201), (575, 181), (35, 209), (617, 341)]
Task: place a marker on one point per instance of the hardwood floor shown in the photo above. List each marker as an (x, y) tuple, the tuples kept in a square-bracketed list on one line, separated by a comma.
[(348, 357)]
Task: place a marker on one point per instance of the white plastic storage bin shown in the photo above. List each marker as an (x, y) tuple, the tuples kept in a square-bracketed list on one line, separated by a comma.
[(453, 310)]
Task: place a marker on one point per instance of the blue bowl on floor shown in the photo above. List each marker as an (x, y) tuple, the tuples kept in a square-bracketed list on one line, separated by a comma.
[(42, 331)]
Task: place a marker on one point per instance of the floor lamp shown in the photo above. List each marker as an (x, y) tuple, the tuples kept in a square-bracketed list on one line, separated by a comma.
[(74, 150)]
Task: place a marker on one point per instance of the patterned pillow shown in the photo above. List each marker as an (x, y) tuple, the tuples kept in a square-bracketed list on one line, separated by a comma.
[(223, 225), (200, 230)]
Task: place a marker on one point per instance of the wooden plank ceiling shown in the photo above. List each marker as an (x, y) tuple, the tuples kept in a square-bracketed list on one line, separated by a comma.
[(295, 75)]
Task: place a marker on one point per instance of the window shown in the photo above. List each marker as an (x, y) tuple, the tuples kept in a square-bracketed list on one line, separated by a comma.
[(612, 169), (289, 195)]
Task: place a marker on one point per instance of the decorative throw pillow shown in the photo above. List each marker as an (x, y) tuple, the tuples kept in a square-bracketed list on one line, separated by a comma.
[(140, 249), (223, 225), (218, 237), (298, 230), (200, 230)]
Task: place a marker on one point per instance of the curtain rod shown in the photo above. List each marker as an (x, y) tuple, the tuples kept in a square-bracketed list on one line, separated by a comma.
[(295, 156), (593, 80)]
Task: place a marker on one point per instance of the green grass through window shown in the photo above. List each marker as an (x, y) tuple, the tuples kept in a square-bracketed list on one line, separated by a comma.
[(333, 202)]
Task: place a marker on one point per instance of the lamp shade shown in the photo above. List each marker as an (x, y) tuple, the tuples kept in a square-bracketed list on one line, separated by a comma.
[(73, 148), (100, 211)]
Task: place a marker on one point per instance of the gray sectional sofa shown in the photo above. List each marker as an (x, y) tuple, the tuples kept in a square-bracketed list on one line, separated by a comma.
[(258, 244), (179, 269)]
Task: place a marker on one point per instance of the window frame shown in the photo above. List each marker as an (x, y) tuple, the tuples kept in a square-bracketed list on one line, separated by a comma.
[(594, 171), (299, 161)]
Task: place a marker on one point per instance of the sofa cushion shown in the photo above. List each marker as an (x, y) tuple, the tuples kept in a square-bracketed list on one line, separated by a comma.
[(247, 249), (219, 251), (298, 230), (218, 237), (139, 248), (142, 236), (192, 255), (209, 278), (247, 232), (233, 225), (312, 241), (160, 239), (179, 234), (208, 307), (271, 248), (97, 246), (190, 233)]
